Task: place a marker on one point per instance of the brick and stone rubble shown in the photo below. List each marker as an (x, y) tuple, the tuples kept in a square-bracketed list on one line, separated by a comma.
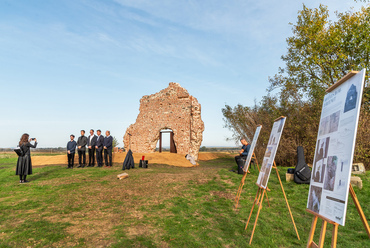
[(171, 108)]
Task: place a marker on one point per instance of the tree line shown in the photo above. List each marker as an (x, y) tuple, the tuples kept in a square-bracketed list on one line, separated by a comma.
[(320, 52)]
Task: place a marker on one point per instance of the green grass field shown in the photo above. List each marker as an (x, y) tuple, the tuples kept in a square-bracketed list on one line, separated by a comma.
[(162, 206)]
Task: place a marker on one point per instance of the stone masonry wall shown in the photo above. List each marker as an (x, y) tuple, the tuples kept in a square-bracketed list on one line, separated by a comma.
[(171, 108)]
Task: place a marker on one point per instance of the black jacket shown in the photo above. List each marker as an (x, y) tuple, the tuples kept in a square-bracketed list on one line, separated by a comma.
[(99, 142), (82, 141), (93, 141), (26, 148), (108, 142)]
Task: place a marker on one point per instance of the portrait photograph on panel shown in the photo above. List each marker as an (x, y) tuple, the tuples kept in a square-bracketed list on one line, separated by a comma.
[(324, 126), (351, 98), (330, 173), (314, 199), (334, 122), (266, 175)]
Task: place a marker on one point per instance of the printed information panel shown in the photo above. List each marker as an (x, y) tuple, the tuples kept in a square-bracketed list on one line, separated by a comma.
[(251, 150), (332, 165), (270, 153)]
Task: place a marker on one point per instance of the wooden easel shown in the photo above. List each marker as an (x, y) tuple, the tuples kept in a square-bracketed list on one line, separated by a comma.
[(311, 243), (259, 199), (242, 184)]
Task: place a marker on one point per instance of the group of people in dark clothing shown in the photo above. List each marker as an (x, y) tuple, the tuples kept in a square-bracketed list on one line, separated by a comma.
[(96, 144)]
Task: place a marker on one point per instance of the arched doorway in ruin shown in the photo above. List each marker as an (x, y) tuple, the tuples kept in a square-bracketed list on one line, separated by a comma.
[(173, 148)]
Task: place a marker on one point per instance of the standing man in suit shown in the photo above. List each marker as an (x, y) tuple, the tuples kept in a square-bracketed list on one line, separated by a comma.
[(108, 146), (71, 149), (99, 148), (91, 142), (81, 148)]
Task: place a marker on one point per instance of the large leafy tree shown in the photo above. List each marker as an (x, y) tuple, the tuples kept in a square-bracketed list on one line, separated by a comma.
[(320, 52)]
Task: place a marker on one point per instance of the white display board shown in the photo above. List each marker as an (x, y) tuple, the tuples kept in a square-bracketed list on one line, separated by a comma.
[(332, 165), (270, 153), (251, 150)]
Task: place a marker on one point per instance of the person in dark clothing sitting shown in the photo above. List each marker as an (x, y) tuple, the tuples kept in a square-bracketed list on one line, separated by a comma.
[(243, 153), (71, 149)]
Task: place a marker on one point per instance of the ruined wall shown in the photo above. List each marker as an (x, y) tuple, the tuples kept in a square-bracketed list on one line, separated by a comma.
[(171, 108)]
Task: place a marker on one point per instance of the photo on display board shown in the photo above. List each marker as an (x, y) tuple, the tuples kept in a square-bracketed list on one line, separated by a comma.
[(320, 158), (314, 199), (266, 175), (263, 173), (322, 148), (351, 99), (334, 122), (268, 151), (330, 173), (324, 126), (341, 182), (271, 139)]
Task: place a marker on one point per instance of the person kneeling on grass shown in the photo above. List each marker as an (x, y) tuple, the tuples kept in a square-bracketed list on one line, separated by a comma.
[(71, 149), (243, 153)]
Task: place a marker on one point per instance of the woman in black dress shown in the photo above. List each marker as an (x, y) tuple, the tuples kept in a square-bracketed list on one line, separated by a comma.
[(24, 165)]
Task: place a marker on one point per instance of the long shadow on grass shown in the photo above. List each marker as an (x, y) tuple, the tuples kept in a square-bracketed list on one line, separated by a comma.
[(44, 174)]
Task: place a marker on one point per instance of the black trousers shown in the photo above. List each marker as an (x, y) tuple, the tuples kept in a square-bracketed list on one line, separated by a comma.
[(92, 156), (99, 157), (240, 160), (82, 157), (71, 159), (108, 155)]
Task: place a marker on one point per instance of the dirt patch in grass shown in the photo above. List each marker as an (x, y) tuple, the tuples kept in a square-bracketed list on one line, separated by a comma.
[(173, 159), (222, 194), (205, 156)]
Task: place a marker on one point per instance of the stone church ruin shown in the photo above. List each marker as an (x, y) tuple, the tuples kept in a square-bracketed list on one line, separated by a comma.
[(171, 110)]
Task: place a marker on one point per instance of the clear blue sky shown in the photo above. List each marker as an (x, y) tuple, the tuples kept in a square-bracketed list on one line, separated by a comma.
[(78, 64)]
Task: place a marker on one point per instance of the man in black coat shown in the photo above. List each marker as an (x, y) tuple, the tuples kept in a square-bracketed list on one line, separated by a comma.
[(81, 148), (99, 148), (91, 142), (108, 146)]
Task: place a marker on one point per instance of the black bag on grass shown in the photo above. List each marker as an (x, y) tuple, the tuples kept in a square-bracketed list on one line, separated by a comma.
[(143, 163), (302, 173)]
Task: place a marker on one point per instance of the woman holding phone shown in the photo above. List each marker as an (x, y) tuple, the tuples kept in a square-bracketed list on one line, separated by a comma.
[(24, 165)]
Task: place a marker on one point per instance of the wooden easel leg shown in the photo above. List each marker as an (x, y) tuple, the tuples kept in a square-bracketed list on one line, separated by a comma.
[(258, 213), (255, 157), (239, 190), (335, 235), (254, 203), (312, 232), (286, 200), (268, 202), (359, 209), (322, 234)]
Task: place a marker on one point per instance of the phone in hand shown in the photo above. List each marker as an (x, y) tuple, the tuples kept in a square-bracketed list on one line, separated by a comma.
[(33, 138)]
